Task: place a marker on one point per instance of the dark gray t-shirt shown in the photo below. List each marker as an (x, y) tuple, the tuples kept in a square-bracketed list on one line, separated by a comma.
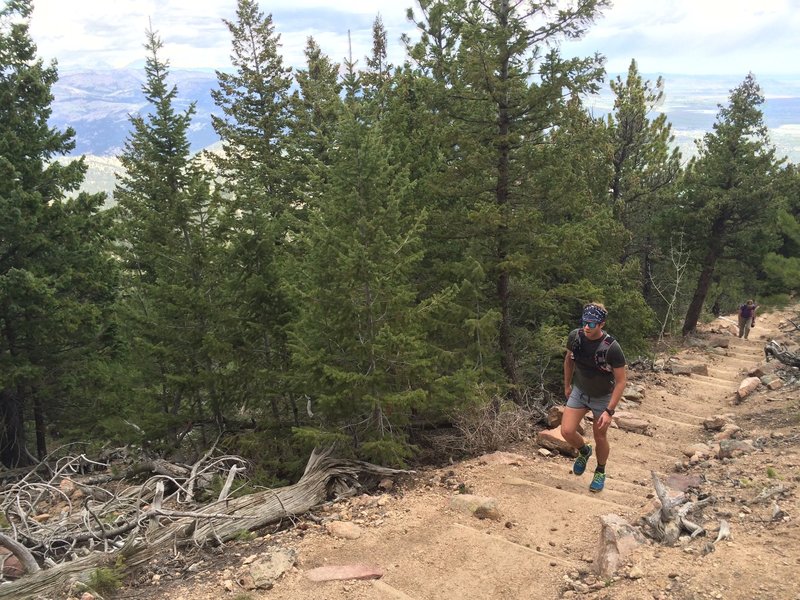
[(587, 377)]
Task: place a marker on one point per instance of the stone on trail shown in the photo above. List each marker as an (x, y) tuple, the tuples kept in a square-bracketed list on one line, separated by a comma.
[(618, 539), (632, 424), (747, 387), (554, 416), (776, 384), (720, 342), (344, 529), (634, 395), (682, 483), (553, 440), (732, 448), (482, 507), (699, 369), (10, 565), (699, 448), (729, 432), (340, 572), (678, 369), (266, 570), (715, 423)]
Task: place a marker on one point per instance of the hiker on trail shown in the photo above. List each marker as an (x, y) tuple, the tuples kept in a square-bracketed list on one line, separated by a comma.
[(747, 318), (594, 379)]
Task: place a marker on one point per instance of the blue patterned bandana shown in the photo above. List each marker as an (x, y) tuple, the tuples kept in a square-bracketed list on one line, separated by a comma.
[(593, 314)]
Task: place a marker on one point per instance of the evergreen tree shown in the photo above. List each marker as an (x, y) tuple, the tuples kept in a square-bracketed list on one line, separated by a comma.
[(499, 94), (260, 209), (172, 308), (315, 109), (645, 168), (57, 279), (359, 340), (781, 268), (729, 192)]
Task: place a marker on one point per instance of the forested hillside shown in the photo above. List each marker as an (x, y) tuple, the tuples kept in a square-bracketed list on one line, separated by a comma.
[(376, 251)]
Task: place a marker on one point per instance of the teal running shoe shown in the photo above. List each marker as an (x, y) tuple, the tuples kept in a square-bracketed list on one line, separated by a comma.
[(598, 482), (579, 466)]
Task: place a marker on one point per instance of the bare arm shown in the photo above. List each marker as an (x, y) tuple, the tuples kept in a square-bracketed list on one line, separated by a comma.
[(620, 379), (569, 369)]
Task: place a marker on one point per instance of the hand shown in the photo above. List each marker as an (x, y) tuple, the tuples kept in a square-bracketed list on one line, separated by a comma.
[(567, 391), (752, 323), (604, 421)]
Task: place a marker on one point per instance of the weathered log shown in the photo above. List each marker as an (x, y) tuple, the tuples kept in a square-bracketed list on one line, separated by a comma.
[(666, 523), (215, 523), (776, 350)]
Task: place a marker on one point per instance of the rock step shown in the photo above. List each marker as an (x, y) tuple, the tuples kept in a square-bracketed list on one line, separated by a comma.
[(678, 416), (716, 383), (662, 419), (571, 490)]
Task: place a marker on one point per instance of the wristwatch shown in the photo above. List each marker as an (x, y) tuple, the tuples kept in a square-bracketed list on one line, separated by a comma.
[(610, 411)]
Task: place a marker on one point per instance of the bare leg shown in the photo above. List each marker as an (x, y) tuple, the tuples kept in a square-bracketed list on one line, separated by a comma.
[(601, 443), (569, 426)]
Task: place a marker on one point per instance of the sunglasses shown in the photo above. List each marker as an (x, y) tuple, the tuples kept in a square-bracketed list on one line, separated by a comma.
[(591, 325)]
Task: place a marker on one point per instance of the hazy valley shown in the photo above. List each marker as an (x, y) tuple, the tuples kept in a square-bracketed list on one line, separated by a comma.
[(97, 105)]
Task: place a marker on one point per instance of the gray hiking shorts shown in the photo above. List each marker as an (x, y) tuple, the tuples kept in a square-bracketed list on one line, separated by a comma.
[(597, 404)]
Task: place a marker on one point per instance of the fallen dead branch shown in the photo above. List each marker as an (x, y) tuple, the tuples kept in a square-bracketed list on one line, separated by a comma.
[(146, 527), (777, 351), (668, 522)]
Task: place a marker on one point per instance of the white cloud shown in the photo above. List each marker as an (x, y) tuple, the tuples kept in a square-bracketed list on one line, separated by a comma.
[(668, 36)]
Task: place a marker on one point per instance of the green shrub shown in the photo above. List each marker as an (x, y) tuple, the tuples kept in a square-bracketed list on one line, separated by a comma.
[(105, 580)]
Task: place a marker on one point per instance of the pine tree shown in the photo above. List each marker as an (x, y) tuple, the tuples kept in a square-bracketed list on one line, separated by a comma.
[(315, 109), (645, 168), (261, 209), (57, 278), (729, 191), (499, 94), (359, 340), (173, 306)]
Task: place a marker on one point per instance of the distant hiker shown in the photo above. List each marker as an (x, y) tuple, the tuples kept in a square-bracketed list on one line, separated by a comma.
[(597, 362), (747, 318)]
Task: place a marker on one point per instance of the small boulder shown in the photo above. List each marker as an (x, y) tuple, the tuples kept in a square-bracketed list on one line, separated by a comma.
[(554, 416), (733, 448), (679, 369), (715, 423), (482, 507), (344, 529), (747, 387), (553, 440), (617, 540), (699, 369)]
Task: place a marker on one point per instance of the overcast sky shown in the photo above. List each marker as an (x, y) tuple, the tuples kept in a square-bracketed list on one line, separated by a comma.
[(716, 37)]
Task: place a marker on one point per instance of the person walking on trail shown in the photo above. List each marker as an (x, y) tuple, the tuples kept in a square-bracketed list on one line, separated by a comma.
[(594, 379), (747, 318)]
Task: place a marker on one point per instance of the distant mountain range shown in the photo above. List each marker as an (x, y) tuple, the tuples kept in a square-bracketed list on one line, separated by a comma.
[(98, 104)]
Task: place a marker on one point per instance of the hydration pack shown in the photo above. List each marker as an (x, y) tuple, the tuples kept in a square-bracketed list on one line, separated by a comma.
[(599, 354)]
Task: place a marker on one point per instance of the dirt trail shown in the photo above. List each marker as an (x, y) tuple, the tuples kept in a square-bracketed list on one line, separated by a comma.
[(545, 543)]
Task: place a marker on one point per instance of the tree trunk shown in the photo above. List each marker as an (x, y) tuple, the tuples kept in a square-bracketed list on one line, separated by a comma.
[(704, 281), (12, 431), (507, 359), (38, 419), (215, 523)]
